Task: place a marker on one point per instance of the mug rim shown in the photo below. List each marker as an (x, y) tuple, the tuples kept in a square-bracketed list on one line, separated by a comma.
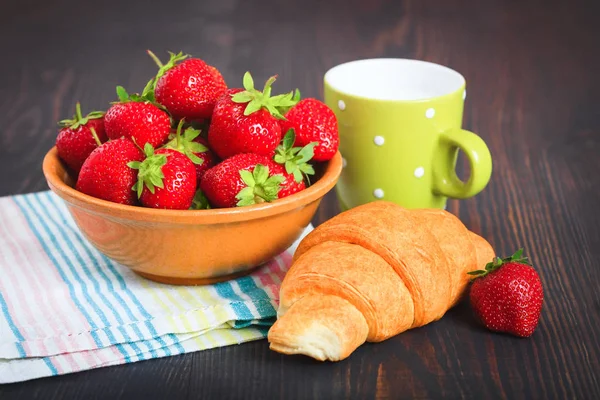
[(327, 79)]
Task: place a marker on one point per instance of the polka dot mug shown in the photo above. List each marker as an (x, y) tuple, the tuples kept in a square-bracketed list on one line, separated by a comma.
[(400, 132)]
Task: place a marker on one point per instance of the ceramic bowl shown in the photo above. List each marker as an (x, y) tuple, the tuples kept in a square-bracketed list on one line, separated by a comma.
[(190, 247)]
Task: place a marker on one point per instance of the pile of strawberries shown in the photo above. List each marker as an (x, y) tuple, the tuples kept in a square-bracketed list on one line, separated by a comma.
[(189, 142)]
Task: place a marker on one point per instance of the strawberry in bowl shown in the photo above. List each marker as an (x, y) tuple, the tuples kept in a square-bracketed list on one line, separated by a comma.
[(190, 182)]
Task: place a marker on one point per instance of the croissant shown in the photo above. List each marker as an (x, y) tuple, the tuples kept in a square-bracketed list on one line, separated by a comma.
[(371, 273)]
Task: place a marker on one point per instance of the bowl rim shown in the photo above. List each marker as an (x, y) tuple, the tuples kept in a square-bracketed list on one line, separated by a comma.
[(52, 166)]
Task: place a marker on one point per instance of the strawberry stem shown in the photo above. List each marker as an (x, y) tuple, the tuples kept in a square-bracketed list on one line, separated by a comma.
[(95, 135), (155, 58), (78, 115), (178, 133)]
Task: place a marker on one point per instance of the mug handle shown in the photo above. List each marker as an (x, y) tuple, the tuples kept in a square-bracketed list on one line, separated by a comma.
[(445, 180)]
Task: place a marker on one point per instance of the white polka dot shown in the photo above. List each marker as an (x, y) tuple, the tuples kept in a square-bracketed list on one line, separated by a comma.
[(465, 94), (430, 113), (341, 105), (419, 172), (378, 193), (379, 140), (344, 162)]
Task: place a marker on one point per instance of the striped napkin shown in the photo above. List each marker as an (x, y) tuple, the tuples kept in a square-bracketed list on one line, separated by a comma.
[(66, 308)]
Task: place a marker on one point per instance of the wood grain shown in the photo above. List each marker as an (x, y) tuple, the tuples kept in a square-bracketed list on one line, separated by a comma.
[(532, 82)]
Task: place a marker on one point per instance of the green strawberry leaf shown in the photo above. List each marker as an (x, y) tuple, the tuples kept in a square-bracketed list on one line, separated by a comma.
[(297, 173), (252, 107), (248, 178), (150, 172), (241, 97), (289, 139), (290, 166), (248, 81), (307, 169), (260, 173), (256, 100), (134, 164), (194, 158), (498, 262), (190, 134), (307, 152), (200, 202), (260, 186), (122, 94), (296, 96), (185, 143), (295, 159), (79, 120), (196, 147)]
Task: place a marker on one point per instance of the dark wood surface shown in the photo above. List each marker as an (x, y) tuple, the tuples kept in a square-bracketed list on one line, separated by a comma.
[(532, 69)]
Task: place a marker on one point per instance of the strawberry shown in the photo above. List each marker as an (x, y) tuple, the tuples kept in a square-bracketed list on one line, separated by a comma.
[(106, 175), (507, 296), (209, 159), (294, 162), (166, 179), (313, 121), (242, 180), (138, 119), (189, 89), (246, 121), (295, 159), (79, 137), (289, 185), (193, 146)]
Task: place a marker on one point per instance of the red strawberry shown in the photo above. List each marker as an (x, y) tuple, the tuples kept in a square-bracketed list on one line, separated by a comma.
[(507, 296), (290, 185), (314, 122), (188, 90), (135, 118), (242, 180), (79, 137), (294, 163), (106, 175), (209, 159), (166, 179), (193, 146), (246, 121)]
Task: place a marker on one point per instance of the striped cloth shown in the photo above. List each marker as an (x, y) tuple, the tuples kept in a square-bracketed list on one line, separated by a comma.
[(65, 307)]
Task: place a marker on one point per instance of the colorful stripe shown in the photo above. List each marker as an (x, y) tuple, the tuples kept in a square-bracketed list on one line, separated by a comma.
[(33, 273), (62, 228), (101, 313), (26, 208)]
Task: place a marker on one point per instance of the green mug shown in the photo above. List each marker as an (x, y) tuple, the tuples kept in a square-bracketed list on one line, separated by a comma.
[(400, 132)]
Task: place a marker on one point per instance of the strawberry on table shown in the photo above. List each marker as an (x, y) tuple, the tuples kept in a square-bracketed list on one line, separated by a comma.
[(79, 137), (136, 118), (241, 180), (313, 121), (106, 175), (195, 147), (507, 296), (188, 88), (247, 120), (166, 179)]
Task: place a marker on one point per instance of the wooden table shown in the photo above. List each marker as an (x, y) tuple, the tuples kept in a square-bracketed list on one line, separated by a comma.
[(532, 69)]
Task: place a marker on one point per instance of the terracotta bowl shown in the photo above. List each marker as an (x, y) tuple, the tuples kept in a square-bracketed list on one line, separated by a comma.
[(190, 247)]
